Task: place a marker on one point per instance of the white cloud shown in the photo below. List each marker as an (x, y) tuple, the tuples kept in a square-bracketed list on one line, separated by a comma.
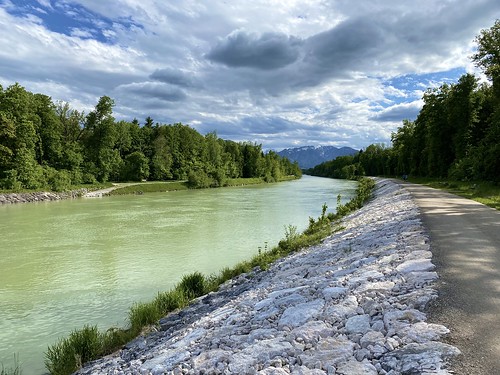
[(280, 72)]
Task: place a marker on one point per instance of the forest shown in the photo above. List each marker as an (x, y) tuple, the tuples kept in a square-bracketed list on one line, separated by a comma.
[(47, 145), (456, 135)]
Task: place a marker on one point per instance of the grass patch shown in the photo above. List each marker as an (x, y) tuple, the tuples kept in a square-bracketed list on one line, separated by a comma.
[(485, 192), (193, 285), (16, 370), (150, 187), (158, 187), (69, 354)]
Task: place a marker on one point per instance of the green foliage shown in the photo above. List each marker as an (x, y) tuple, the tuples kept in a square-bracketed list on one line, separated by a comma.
[(135, 167), (84, 345), (199, 180), (10, 180), (193, 285), (58, 180), (487, 193), (142, 315), (487, 56), (363, 193), (455, 135), (69, 354), (16, 370), (171, 300), (39, 139)]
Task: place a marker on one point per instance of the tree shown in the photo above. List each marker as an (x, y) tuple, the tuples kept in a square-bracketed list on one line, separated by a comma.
[(49, 130), (100, 140), (252, 160), (161, 162), (487, 56), (402, 143), (7, 142), (136, 167)]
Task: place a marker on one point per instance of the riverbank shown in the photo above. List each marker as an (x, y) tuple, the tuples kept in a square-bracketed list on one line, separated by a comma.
[(137, 188), (354, 304), (41, 196)]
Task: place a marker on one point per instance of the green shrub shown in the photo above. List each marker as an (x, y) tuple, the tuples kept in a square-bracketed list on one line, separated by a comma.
[(170, 301), (69, 354), (10, 181), (114, 338), (60, 180), (199, 180), (193, 285), (142, 315)]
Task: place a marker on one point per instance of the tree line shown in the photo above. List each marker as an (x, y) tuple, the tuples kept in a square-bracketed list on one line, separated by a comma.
[(455, 135), (50, 145)]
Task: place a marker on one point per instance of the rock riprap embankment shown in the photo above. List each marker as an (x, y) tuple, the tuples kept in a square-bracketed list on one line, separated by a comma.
[(353, 305), (40, 196)]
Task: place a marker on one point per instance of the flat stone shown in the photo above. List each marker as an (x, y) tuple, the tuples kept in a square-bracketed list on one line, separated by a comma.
[(329, 352), (297, 315), (334, 292), (416, 265), (353, 367), (358, 324), (372, 338)]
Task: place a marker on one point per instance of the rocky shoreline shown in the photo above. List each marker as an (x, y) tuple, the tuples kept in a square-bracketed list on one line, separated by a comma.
[(354, 304), (40, 196)]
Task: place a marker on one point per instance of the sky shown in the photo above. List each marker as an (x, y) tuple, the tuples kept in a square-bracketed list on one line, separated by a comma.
[(281, 73)]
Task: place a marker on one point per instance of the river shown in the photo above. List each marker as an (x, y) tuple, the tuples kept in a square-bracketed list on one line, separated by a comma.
[(69, 263)]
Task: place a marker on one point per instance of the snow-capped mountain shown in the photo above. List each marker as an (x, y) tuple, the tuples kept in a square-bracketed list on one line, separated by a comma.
[(310, 156)]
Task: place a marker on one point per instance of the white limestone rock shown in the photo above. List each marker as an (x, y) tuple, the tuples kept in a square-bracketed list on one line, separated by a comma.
[(297, 315), (358, 324)]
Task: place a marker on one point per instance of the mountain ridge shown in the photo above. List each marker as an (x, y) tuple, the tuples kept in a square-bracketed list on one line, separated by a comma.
[(310, 156)]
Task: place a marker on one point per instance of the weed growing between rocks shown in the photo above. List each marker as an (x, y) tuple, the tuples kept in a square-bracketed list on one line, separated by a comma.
[(71, 353)]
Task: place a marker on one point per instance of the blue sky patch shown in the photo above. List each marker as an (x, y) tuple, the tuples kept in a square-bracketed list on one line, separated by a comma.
[(69, 19)]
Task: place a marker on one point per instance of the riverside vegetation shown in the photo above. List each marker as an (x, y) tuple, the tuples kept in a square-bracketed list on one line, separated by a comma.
[(47, 145), (455, 136), (485, 192), (89, 343)]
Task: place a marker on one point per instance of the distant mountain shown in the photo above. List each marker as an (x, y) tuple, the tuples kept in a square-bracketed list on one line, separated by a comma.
[(310, 156)]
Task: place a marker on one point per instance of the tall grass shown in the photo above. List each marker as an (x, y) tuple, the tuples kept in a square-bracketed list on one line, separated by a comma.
[(69, 354), (16, 370)]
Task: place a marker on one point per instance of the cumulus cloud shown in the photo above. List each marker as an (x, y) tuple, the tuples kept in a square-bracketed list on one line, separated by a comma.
[(156, 90), (281, 73), (399, 112), (174, 76), (267, 51)]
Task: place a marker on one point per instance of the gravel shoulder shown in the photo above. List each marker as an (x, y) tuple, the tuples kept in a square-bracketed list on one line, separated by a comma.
[(465, 242), (354, 305)]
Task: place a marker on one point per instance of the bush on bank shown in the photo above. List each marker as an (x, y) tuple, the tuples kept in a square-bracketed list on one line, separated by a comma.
[(71, 353)]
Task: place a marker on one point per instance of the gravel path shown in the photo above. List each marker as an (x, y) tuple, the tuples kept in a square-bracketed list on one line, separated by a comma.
[(353, 305), (465, 238)]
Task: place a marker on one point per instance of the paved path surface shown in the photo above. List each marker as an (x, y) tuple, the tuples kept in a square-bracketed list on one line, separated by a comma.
[(465, 240), (101, 192)]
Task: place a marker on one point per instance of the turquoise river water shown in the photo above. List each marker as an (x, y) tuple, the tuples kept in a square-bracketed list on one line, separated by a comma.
[(74, 262)]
